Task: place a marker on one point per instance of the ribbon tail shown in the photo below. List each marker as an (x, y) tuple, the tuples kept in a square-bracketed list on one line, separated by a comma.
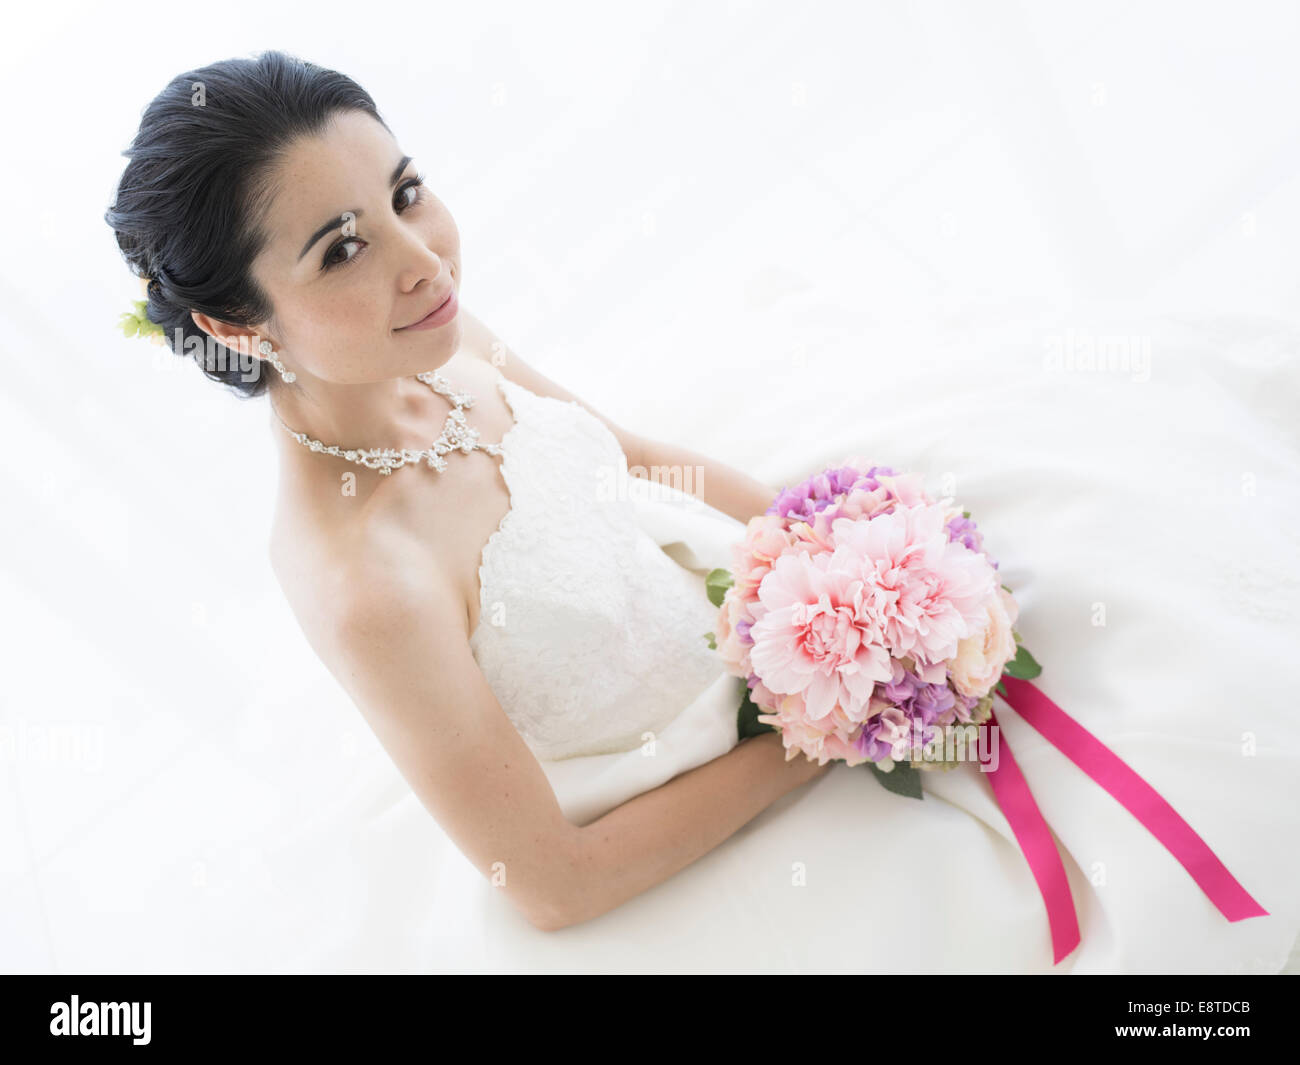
[(1011, 791), (1135, 795)]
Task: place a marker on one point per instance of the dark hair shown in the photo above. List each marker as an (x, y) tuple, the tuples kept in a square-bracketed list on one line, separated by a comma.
[(189, 209)]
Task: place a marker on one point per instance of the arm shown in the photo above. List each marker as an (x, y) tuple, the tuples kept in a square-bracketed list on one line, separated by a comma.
[(403, 655), (656, 834), (721, 486)]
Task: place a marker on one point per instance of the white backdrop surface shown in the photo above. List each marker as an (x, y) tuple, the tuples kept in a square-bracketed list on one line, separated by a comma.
[(886, 217)]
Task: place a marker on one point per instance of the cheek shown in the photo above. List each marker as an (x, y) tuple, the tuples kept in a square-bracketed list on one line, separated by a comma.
[(337, 329), (443, 235)]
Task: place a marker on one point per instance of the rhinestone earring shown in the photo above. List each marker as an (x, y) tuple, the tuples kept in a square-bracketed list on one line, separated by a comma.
[(265, 348)]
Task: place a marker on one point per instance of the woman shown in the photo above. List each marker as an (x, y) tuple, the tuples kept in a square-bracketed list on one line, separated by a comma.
[(267, 201), (528, 645)]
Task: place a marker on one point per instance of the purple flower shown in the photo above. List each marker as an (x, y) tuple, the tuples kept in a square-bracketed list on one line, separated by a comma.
[(931, 700), (963, 530), (961, 710), (917, 707), (901, 688), (966, 531), (805, 500), (871, 744)]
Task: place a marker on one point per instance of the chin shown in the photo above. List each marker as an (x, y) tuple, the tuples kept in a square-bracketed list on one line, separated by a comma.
[(436, 350)]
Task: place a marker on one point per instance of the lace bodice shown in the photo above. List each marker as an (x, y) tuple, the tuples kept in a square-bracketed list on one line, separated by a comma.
[(590, 631)]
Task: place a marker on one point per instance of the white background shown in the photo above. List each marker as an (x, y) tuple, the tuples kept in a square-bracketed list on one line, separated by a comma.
[(922, 168)]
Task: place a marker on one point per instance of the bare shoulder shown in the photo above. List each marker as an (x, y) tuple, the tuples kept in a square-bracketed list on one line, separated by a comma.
[(481, 343), (384, 581), (339, 574)]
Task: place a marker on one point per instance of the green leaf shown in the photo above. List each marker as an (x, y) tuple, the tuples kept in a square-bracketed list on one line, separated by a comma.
[(716, 584), (1023, 666), (1000, 688), (1006, 589), (965, 513), (747, 723), (901, 780), (713, 641)]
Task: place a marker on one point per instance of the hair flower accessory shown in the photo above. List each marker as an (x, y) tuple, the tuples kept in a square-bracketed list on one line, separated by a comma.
[(136, 323)]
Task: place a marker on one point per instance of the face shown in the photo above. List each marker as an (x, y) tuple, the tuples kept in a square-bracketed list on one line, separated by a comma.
[(358, 248)]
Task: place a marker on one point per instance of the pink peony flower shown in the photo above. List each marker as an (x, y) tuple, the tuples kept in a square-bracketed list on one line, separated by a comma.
[(765, 540), (927, 591), (907, 488), (983, 655), (815, 633), (821, 740), (812, 539), (763, 697), (734, 650)]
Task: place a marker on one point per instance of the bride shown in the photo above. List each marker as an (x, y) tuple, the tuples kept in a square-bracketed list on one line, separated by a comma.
[(306, 236), (517, 608)]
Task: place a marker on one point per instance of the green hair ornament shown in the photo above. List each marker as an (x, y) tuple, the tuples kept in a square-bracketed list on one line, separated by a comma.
[(137, 324)]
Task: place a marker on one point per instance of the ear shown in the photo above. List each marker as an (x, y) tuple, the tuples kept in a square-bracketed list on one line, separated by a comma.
[(211, 326), (235, 337)]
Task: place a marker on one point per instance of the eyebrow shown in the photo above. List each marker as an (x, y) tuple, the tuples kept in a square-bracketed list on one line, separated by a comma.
[(337, 221)]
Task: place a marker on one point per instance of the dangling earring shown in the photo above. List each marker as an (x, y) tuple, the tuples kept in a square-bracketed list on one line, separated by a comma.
[(265, 348)]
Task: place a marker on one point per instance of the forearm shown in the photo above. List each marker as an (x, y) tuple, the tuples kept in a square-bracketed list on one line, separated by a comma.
[(721, 486), (657, 833)]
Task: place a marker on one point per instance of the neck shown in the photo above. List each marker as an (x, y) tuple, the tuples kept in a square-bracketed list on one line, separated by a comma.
[(398, 413)]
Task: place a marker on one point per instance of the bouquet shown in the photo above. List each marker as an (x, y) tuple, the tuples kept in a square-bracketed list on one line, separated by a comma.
[(869, 623)]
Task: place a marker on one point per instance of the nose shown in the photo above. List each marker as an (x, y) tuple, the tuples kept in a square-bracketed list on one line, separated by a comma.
[(419, 263), (428, 273)]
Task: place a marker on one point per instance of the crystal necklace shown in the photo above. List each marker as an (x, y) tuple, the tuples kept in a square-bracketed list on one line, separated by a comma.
[(456, 434)]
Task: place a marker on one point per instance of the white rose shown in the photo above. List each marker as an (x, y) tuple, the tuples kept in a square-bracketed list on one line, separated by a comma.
[(982, 655)]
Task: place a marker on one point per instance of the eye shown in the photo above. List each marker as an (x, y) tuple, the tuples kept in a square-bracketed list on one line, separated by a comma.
[(416, 187), (408, 194)]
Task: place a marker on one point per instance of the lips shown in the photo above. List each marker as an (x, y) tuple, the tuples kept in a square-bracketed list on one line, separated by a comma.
[(431, 311)]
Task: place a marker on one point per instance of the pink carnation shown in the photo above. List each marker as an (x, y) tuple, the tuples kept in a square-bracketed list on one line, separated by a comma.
[(822, 739), (816, 633), (765, 540), (928, 592)]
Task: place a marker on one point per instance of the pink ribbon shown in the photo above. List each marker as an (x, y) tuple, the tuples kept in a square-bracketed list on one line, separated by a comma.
[(1137, 796)]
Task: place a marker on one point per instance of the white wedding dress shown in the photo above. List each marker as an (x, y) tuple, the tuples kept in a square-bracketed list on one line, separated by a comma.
[(593, 614)]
